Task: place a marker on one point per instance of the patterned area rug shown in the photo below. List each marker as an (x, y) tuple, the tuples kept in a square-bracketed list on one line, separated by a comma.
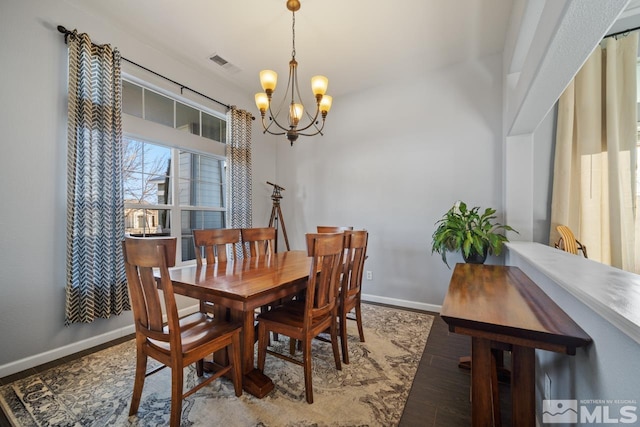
[(371, 391)]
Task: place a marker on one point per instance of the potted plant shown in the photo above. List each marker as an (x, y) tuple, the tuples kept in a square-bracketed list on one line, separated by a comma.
[(467, 230)]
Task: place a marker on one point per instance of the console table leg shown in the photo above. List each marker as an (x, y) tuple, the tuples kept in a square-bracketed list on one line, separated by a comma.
[(523, 386), (481, 373)]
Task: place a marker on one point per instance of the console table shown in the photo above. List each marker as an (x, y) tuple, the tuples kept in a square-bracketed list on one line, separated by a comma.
[(498, 306)]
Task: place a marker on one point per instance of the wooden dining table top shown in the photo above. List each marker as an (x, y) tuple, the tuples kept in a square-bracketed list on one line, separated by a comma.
[(242, 284)]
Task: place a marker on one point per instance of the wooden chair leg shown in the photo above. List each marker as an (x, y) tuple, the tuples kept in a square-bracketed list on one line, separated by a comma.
[(292, 346), (342, 329), (138, 383), (200, 368), (359, 321), (177, 378), (334, 343), (306, 357), (234, 357)]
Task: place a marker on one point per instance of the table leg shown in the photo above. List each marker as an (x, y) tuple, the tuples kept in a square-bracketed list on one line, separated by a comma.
[(523, 386), (253, 381), (481, 373)]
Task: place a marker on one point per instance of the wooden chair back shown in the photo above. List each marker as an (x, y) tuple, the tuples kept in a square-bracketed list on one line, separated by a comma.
[(356, 248), (351, 285), (568, 241), (258, 241), (332, 228), (141, 256), (216, 242), (327, 250)]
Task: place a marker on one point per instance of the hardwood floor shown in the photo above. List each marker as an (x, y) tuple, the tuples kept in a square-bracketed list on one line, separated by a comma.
[(439, 395)]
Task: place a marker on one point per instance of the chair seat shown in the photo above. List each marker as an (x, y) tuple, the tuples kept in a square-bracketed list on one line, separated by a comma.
[(195, 330), (290, 315)]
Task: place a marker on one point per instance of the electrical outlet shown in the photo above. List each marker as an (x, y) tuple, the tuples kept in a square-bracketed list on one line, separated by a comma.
[(369, 275), (547, 387)]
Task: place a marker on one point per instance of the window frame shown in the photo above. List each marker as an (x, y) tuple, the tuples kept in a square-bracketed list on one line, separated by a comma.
[(176, 140)]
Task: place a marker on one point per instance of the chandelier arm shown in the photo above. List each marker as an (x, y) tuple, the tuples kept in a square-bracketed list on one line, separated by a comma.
[(313, 121), (266, 128), (273, 120), (318, 131)]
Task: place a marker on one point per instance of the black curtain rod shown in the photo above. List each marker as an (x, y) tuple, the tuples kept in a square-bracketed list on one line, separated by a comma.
[(66, 33), (622, 32)]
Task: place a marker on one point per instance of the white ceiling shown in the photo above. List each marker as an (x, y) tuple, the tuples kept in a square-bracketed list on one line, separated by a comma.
[(355, 43)]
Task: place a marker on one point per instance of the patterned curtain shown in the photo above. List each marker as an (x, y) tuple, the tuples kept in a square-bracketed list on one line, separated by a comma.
[(96, 285), (239, 213)]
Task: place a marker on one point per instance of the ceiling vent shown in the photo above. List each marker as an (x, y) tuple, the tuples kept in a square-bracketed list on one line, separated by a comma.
[(224, 64)]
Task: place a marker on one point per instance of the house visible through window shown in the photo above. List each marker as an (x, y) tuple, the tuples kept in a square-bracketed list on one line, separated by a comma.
[(170, 189)]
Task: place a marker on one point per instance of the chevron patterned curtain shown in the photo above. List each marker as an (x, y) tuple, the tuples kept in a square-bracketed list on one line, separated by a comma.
[(96, 285), (239, 213)]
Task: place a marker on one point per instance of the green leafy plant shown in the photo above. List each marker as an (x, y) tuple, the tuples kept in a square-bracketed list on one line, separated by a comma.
[(469, 231)]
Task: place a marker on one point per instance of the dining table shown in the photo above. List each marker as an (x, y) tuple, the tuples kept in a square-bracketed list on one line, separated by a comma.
[(237, 288)]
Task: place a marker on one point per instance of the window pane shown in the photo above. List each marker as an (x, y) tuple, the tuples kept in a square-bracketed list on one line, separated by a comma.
[(147, 222), (200, 181), (131, 99), (214, 128), (197, 220), (146, 170), (187, 119), (201, 219), (188, 251), (158, 108)]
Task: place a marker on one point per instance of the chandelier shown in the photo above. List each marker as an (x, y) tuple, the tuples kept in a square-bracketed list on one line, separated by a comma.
[(295, 111)]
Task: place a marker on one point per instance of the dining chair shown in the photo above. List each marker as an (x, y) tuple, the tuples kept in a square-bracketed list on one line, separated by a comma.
[(350, 296), (258, 241), (217, 244), (181, 341), (568, 241), (304, 319)]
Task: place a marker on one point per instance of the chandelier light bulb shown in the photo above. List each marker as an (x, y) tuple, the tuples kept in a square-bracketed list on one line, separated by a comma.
[(325, 104), (319, 85), (295, 113), (268, 80), (262, 102)]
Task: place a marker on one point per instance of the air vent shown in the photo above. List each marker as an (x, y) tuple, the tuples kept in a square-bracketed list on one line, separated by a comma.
[(224, 64), (219, 60)]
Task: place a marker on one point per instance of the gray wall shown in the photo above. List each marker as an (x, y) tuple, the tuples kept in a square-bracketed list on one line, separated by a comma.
[(393, 160)]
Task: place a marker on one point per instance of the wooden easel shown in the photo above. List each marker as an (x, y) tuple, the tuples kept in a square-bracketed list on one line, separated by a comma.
[(276, 214)]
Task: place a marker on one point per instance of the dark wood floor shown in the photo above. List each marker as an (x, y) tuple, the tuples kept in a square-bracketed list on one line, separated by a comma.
[(439, 395)]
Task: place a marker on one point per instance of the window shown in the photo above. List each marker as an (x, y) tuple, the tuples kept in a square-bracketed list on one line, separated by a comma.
[(149, 105), (171, 189)]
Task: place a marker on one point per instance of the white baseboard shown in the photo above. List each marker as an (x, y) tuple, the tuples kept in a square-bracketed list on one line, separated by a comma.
[(56, 353), (402, 303)]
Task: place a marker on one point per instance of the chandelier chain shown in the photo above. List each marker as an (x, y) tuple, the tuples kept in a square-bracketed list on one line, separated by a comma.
[(293, 32)]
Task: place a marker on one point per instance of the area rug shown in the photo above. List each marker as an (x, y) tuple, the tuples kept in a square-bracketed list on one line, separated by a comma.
[(370, 391)]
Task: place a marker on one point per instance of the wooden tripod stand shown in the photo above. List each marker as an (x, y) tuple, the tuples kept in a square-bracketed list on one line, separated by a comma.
[(276, 214)]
